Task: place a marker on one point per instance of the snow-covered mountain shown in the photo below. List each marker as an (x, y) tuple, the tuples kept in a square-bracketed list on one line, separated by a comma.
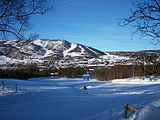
[(62, 53), (45, 49)]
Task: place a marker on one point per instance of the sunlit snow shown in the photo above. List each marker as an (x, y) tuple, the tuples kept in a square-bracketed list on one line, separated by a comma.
[(63, 99)]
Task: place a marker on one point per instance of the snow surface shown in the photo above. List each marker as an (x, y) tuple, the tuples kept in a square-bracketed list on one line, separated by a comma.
[(92, 50), (113, 58), (40, 43), (63, 99), (73, 54), (6, 60)]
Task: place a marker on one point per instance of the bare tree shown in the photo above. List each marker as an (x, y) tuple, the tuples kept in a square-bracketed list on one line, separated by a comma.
[(145, 17), (15, 16)]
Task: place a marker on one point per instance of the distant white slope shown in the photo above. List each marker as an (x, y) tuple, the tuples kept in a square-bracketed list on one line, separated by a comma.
[(6, 60), (82, 50), (92, 50), (38, 42), (66, 52), (113, 58)]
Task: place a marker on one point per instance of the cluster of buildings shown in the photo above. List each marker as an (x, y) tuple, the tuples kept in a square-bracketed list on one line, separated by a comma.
[(86, 62)]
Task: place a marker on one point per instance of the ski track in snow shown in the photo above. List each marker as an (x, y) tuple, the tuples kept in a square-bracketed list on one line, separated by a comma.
[(66, 52), (63, 99), (92, 50), (82, 49)]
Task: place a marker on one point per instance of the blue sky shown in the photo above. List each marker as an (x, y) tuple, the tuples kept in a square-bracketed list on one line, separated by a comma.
[(90, 22)]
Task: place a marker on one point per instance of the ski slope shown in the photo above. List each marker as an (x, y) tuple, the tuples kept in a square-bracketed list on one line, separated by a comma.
[(63, 99)]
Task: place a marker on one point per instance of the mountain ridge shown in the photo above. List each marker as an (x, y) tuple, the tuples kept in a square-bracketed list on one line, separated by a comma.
[(43, 48), (61, 53)]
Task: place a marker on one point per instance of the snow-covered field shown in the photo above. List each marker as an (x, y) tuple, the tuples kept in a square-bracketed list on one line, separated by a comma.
[(63, 99)]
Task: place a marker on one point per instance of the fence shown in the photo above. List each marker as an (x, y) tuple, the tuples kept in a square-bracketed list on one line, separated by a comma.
[(128, 108), (14, 89)]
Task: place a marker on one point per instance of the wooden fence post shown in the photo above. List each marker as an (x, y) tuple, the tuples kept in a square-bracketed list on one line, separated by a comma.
[(2, 85), (15, 87), (126, 111), (128, 108)]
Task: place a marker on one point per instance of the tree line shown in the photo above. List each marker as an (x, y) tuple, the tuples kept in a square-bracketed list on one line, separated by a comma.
[(125, 71), (33, 72), (103, 74), (71, 72), (24, 73)]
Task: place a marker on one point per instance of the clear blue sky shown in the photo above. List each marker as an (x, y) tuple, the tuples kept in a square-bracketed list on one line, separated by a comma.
[(90, 22)]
